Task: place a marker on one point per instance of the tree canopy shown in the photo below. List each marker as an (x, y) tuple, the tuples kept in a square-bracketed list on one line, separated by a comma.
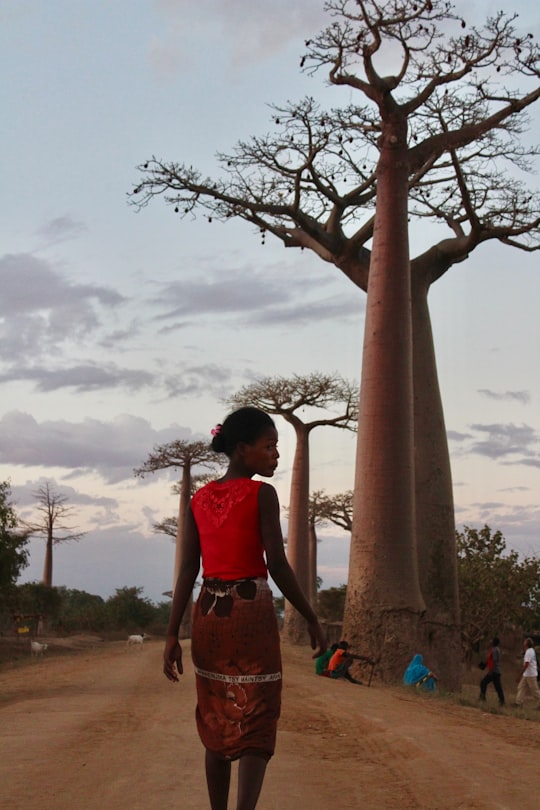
[(13, 541), (498, 589), (312, 183)]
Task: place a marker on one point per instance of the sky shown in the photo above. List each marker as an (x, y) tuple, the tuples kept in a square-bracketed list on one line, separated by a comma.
[(121, 330)]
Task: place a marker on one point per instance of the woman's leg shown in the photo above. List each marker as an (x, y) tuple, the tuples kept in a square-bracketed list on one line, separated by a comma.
[(251, 770), (218, 779)]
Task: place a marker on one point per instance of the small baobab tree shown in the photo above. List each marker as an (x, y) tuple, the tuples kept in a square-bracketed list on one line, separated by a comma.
[(53, 512)]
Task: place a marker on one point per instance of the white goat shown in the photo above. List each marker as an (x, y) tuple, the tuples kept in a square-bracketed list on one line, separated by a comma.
[(36, 648), (135, 639)]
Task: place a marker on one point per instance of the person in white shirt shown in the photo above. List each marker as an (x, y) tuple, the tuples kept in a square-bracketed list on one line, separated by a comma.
[(528, 682)]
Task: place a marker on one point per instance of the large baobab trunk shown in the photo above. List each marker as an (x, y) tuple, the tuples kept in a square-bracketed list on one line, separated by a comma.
[(384, 602), (435, 528), (185, 493), (294, 627)]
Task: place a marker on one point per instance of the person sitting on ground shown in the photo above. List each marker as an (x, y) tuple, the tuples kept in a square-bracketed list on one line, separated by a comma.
[(340, 663), (418, 675), (321, 663)]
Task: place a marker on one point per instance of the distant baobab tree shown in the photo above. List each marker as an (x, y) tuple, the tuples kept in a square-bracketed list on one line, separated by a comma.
[(51, 524)]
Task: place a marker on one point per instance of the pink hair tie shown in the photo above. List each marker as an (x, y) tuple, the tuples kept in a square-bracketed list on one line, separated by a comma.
[(216, 431)]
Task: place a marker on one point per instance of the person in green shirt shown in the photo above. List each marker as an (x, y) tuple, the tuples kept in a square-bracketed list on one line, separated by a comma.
[(321, 663)]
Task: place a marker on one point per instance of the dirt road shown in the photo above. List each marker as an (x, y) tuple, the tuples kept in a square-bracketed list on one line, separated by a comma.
[(103, 729)]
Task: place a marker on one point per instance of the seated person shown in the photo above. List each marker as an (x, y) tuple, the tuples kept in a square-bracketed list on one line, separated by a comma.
[(417, 674), (340, 662), (321, 663)]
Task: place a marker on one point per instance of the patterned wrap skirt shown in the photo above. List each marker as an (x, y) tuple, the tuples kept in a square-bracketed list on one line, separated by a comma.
[(236, 655)]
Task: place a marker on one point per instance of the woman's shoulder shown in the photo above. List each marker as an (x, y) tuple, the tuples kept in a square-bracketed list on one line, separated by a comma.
[(217, 494)]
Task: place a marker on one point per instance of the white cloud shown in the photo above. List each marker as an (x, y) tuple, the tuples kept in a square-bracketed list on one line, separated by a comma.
[(512, 396), (111, 449), (59, 229), (40, 310)]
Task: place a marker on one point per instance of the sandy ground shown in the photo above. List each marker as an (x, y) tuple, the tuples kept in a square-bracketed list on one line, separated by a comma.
[(104, 729)]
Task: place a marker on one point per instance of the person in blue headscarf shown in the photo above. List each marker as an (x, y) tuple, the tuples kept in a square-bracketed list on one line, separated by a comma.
[(417, 674)]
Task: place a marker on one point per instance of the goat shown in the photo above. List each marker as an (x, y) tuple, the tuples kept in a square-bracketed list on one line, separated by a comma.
[(36, 648), (135, 639)]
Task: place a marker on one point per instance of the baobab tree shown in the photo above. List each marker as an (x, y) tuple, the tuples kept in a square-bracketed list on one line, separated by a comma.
[(286, 396), (336, 509), (183, 455), (431, 134), (53, 512)]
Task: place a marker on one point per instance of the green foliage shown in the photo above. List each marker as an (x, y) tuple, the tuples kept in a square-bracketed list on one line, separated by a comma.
[(13, 542), (331, 603), (80, 610), (129, 610), (69, 610), (35, 597), (498, 591)]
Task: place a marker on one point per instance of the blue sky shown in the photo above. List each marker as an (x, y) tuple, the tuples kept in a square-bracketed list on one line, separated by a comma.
[(120, 330)]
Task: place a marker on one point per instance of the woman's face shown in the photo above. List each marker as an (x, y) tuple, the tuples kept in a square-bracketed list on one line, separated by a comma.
[(261, 456)]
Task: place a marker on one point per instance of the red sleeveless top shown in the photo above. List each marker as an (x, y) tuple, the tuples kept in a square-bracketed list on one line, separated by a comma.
[(227, 518)]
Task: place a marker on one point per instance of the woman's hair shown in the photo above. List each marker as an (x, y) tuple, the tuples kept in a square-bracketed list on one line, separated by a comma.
[(244, 425)]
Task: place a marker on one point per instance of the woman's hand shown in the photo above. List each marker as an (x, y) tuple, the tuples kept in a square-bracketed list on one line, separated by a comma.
[(172, 656), (317, 638)]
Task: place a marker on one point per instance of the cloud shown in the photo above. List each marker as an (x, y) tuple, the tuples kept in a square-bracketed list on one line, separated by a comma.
[(527, 462), (503, 440), (196, 380), (209, 295), (40, 309), (60, 229), (251, 32), (83, 378), (110, 449), (100, 511), (260, 299), (515, 396), (308, 313), (455, 436)]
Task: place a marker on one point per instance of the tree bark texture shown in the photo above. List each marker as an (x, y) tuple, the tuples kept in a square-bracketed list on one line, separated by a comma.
[(48, 564), (435, 526), (183, 504), (294, 626), (384, 603)]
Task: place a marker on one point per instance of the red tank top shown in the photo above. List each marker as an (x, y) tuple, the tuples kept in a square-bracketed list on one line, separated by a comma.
[(227, 518)]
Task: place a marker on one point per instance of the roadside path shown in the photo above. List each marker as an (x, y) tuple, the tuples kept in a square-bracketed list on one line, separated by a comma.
[(104, 730)]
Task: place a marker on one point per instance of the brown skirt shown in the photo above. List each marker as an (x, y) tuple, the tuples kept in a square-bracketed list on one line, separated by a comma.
[(237, 659)]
